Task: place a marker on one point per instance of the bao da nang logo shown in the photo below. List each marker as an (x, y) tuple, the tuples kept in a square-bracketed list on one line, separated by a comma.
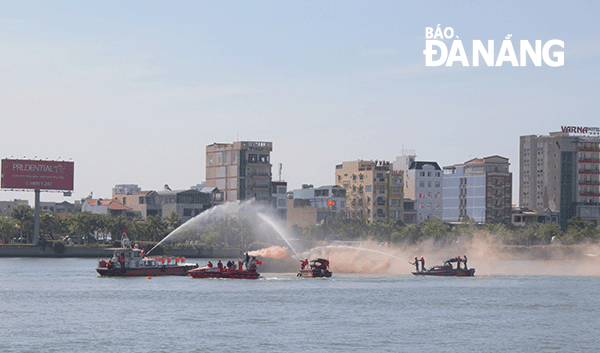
[(437, 52)]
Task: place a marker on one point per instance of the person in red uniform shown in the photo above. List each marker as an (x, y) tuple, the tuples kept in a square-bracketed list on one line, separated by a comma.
[(304, 264), (422, 264)]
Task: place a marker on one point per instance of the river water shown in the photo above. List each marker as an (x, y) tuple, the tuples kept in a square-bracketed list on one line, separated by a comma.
[(62, 305)]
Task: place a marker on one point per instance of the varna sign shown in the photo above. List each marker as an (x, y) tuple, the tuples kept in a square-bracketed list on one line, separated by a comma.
[(580, 130), (437, 52)]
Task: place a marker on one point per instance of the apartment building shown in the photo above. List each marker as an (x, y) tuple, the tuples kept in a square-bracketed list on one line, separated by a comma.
[(480, 188), (310, 205), (374, 190), (423, 184), (242, 170), (561, 172)]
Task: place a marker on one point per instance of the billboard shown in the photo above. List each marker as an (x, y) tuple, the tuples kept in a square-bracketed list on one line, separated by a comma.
[(32, 174)]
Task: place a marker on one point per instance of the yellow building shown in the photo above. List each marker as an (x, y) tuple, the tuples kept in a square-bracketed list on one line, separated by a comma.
[(373, 190)]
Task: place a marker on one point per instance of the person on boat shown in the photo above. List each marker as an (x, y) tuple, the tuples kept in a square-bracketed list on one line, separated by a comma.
[(209, 264), (229, 263), (304, 264), (416, 263), (465, 261), (240, 264), (220, 265), (252, 265), (422, 264), (247, 260), (458, 261)]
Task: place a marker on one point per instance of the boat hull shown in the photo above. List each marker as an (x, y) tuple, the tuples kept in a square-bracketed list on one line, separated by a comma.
[(314, 273), (166, 270), (447, 272), (215, 272)]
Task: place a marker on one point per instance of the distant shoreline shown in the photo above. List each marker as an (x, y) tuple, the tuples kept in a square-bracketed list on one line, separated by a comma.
[(82, 251)]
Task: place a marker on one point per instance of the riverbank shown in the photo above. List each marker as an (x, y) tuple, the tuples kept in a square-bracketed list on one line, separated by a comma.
[(82, 251)]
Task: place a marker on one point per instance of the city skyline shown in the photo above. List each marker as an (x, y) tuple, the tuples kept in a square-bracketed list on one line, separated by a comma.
[(132, 93)]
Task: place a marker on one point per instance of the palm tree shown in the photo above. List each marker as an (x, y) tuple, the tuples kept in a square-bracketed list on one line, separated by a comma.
[(8, 228), (24, 215)]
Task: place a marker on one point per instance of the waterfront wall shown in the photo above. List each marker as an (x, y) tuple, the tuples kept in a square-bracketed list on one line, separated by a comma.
[(101, 252)]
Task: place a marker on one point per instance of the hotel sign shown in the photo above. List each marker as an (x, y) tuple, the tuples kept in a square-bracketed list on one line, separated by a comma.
[(34, 174), (582, 131)]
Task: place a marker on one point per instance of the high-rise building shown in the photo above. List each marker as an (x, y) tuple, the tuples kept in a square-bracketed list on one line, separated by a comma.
[(373, 190), (242, 170), (480, 189), (423, 184), (561, 172)]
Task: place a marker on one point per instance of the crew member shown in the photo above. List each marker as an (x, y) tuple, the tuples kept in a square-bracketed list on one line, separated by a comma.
[(458, 261), (422, 264), (416, 263), (209, 264), (465, 261), (240, 264), (304, 264), (252, 265), (220, 265)]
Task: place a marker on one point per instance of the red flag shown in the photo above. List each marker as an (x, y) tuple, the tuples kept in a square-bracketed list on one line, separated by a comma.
[(259, 262), (330, 203)]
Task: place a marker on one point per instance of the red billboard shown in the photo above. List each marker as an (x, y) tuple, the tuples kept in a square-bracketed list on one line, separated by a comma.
[(30, 174)]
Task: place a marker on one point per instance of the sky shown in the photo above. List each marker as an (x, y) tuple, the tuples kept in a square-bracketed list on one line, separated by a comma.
[(134, 91)]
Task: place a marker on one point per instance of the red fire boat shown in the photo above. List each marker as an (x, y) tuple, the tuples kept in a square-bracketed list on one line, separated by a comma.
[(317, 268), (210, 271)]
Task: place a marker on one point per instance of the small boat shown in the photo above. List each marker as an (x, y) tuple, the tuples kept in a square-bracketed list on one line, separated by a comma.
[(127, 261), (447, 270), (210, 271), (317, 268)]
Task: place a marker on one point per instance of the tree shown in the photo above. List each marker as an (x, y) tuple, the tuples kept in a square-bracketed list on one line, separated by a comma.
[(84, 224), (546, 231), (24, 215), (433, 228), (172, 221), (156, 228), (52, 224), (578, 229), (8, 228)]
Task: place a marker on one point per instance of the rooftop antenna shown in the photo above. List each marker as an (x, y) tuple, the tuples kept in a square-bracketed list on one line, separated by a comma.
[(280, 167)]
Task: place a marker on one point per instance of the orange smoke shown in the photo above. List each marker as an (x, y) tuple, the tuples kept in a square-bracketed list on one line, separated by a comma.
[(273, 252)]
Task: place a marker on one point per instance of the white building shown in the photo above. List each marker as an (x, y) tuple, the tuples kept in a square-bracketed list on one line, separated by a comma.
[(423, 183)]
